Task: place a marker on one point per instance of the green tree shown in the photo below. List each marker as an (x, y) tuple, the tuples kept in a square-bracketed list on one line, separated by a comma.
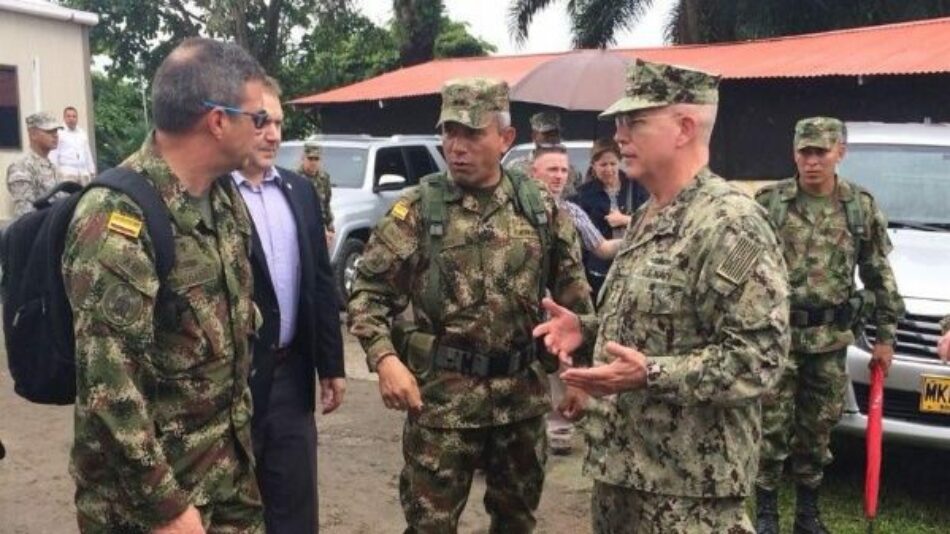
[(120, 122), (455, 41), (596, 23)]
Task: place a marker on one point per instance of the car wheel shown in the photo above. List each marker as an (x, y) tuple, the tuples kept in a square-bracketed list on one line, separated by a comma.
[(350, 253)]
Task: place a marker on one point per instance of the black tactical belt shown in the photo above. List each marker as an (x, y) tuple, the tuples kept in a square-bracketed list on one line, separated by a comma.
[(809, 317), (481, 365)]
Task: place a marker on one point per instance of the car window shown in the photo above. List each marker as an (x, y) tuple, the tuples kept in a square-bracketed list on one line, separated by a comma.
[(390, 161), (910, 183), (345, 165), (288, 156), (421, 163)]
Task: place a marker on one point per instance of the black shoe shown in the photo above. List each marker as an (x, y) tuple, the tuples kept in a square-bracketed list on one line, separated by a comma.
[(766, 511), (807, 516)]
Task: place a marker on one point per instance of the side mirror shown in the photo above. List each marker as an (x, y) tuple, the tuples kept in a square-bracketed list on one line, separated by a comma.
[(390, 182)]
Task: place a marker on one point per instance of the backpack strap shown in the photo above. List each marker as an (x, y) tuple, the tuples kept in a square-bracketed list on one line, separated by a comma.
[(778, 207), (530, 204), (157, 218), (433, 206)]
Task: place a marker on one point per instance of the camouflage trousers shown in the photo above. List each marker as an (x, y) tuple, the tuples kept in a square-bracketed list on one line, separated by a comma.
[(620, 510), (440, 463), (241, 512), (797, 417)]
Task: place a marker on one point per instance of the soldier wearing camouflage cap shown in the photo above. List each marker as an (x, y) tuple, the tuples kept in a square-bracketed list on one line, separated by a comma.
[(828, 227), (33, 176), (692, 326), (472, 249), (310, 167)]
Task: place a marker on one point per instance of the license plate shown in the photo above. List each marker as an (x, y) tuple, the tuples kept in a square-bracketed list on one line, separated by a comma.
[(935, 394)]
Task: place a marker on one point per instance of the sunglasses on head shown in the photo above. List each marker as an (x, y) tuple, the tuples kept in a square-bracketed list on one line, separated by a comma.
[(259, 118)]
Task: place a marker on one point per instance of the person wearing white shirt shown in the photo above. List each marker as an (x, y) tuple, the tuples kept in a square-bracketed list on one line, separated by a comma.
[(72, 157)]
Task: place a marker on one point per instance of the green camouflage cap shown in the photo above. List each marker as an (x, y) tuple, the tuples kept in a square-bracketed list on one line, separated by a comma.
[(546, 121), (652, 85), (43, 121), (472, 101), (818, 132), (311, 147)]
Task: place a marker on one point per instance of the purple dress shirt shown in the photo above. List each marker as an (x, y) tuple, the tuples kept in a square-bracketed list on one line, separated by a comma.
[(277, 231)]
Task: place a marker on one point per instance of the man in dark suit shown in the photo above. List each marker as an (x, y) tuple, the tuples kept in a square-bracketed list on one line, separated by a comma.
[(294, 290)]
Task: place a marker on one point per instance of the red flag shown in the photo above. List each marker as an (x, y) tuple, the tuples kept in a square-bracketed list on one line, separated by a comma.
[(872, 473)]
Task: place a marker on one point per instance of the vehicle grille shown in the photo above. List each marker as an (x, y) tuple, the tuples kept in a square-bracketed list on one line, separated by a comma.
[(903, 405), (917, 335)]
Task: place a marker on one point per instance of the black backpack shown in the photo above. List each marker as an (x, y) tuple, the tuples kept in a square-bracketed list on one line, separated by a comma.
[(37, 319)]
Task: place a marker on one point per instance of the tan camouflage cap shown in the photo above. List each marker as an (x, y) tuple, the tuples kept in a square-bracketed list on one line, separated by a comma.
[(311, 147), (818, 132), (472, 101), (43, 121), (546, 121), (652, 85)]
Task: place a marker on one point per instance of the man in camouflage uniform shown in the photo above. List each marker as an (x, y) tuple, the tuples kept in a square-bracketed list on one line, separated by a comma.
[(943, 345), (34, 175), (471, 249), (310, 167), (163, 409), (546, 131), (827, 226), (693, 326)]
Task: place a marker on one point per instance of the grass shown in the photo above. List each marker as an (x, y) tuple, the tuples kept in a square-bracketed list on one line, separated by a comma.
[(914, 493)]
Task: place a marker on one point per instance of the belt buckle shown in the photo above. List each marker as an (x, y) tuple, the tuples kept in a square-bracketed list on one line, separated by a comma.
[(451, 359), (481, 365)]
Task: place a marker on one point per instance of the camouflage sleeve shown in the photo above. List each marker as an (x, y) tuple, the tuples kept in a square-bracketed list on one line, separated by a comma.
[(325, 189), (567, 281), (384, 278), (945, 325), (876, 274), (20, 186), (111, 283), (742, 298)]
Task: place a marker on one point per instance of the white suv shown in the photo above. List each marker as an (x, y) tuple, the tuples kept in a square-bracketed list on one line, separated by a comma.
[(367, 174), (907, 169)]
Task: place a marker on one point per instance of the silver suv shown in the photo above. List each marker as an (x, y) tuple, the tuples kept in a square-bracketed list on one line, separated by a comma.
[(907, 168), (367, 175)]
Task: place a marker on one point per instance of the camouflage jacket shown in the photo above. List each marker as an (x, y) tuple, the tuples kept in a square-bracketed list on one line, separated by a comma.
[(821, 260), (163, 407), (701, 291), (491, 262), (28, 179), (321, 181)]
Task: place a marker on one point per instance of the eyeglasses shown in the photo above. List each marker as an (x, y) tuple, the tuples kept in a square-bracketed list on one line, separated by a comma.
[(259, 118), (631, 121)]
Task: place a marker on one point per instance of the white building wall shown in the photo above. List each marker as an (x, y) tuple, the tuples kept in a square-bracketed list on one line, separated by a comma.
[(52, 62)]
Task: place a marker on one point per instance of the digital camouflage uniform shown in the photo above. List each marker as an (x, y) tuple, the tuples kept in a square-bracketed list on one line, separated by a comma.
[(32, 176), (819, 249), (163, 408), (490, 260), (321, 181), (700, 288)]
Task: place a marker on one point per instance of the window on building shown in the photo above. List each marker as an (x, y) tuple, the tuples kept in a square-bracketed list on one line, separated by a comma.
[(9, 109)]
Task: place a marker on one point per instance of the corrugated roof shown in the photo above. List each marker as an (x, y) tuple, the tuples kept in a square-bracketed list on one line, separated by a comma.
[(906, 48)]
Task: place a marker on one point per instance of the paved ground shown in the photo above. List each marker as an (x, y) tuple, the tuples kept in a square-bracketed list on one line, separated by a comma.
[(359, 459)]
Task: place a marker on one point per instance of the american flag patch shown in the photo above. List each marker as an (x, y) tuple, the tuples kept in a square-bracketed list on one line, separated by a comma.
[(740, 260)]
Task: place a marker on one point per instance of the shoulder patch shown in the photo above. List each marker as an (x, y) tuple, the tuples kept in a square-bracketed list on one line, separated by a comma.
[(401, 209), (126, 225), (740, 260)]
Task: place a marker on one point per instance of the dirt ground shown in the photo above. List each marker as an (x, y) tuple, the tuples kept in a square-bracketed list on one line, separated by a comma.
[(359, 461)]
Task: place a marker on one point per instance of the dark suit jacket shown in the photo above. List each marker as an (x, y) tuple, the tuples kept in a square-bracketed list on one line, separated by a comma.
[(318, 344)]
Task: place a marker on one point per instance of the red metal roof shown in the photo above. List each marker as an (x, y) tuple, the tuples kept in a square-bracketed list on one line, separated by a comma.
[(906, 48)]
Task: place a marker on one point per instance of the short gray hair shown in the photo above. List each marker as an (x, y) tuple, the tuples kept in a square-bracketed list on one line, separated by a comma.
[(197, 71), (503, 118)]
